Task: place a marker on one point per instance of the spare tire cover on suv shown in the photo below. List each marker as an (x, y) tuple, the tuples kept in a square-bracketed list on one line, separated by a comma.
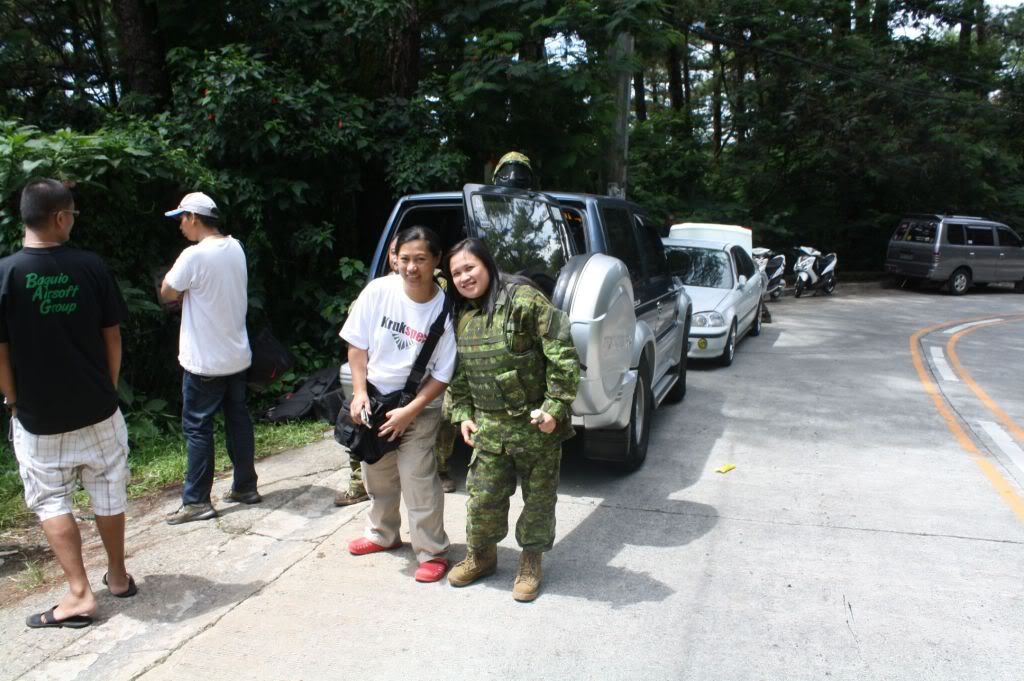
[(595, 291)]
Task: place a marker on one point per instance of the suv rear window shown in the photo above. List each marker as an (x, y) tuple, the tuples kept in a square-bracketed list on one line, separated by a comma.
[(917, 231), (621, 242), (523, 235)]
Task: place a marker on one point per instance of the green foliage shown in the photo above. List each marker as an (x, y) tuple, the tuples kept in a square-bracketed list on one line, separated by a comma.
[(417, 159), (829, 130)]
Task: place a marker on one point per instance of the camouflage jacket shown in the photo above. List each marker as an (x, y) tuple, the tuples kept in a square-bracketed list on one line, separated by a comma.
[(524, 359)]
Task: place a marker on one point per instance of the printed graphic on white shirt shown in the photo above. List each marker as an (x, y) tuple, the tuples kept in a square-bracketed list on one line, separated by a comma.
[(392, 328), (403, 334)]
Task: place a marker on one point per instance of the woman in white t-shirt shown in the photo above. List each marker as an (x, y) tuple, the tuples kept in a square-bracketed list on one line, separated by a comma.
[(385, 330)]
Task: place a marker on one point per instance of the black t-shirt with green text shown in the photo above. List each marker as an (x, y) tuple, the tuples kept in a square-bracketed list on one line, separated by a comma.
[(54, 302)]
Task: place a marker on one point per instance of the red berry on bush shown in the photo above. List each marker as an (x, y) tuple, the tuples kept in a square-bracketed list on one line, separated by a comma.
[(206, 91), (211, 117), (340, 124), (273, 100)]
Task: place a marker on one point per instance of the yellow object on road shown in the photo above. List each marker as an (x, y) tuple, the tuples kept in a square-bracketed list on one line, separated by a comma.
[(726, 468)]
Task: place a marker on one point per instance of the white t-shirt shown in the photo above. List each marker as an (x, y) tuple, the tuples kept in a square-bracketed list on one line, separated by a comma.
[(213, 276), (392, 327)]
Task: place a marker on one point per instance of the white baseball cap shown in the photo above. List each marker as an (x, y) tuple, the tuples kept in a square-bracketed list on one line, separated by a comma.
[(196, 202)]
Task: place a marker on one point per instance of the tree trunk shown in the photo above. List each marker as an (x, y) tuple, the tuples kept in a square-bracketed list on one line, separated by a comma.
[(618, 152), (841, 19), (967, 27), (687, 81), (675, 84), (98, 32), (142, 58), (716, 96), (639, 96), (740, 113), (687, 76), (533, 50), (981, 18), (880, 21), (78, 75), (758, 82), (862, 16), (405, 54)]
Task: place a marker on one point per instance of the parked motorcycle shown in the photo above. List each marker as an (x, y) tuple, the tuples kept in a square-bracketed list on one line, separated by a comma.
[(814, 271), (773, 266)]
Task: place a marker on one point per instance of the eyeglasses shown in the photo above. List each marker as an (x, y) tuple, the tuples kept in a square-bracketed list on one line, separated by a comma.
[(66, 210)]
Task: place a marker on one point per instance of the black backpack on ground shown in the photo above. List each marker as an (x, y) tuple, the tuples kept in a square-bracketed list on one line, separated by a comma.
[(270, 360), (320, 396)]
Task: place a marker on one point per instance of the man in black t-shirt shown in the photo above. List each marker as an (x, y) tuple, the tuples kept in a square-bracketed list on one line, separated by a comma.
[(60, 355)]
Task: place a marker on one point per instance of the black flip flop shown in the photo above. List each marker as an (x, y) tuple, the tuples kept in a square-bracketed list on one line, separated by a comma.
[(48, 619), (128, 593)]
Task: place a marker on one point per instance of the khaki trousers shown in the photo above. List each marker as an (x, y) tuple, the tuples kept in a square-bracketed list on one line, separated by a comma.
[(409, 473)]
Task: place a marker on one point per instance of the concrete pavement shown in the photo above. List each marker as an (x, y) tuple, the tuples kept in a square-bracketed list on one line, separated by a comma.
[(855, 540)]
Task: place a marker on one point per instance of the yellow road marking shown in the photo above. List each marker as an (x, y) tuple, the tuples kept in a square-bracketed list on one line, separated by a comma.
[(982, 460), (989, 403)]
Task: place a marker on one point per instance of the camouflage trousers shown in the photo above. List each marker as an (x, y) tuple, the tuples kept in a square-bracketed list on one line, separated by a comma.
[(355, 480), (492, 481), (444, 444)]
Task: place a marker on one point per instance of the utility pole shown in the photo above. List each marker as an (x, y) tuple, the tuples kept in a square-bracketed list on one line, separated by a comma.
[(622, 56)]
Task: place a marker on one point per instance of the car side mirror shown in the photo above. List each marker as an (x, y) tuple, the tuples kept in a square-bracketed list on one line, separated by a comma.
[(741, 281)]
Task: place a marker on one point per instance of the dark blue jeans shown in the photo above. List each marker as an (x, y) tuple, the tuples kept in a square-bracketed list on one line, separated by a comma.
[(203, 396)]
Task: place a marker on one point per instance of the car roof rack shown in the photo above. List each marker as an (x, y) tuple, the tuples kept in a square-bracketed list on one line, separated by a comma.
[(944, 216)]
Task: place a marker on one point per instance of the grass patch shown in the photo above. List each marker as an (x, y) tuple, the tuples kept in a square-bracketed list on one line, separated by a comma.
[(156, 463), (32, 575)]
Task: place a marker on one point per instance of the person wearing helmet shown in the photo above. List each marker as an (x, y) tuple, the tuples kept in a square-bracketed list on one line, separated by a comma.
[(513, 170)]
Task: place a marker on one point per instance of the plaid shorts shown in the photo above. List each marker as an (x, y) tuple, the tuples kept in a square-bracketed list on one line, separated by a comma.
[(50, 465)]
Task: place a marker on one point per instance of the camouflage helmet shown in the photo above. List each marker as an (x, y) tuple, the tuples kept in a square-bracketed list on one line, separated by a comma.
[(513, 170)]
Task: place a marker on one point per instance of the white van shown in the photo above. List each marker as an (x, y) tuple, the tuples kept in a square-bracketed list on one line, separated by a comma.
[(709, 231)]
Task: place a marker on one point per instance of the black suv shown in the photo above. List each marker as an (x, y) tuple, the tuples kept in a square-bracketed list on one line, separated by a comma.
[(601, 260)]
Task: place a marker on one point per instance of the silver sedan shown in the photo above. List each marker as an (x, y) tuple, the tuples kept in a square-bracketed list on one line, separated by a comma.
[(725, 286)]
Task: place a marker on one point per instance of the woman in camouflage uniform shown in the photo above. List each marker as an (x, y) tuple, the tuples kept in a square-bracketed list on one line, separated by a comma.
[(514, 382)]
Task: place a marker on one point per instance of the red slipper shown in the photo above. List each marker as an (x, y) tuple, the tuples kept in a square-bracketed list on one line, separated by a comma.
[(432, 570), (363, 546)]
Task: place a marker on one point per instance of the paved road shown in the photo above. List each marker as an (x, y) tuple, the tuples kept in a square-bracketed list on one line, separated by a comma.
[(873, 528)]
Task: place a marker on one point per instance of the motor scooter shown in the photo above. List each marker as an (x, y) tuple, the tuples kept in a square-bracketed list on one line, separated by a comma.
[(814, 271), (774, 266)]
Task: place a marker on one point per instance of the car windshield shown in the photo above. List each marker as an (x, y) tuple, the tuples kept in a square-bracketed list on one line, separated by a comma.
[(700, 266), (522, 234)]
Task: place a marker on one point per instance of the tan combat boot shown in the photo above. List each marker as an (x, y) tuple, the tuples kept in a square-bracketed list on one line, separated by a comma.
[(527, 584), (479, 563)]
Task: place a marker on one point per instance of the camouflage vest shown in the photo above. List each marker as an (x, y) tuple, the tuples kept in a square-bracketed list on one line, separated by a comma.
[(503, 363)]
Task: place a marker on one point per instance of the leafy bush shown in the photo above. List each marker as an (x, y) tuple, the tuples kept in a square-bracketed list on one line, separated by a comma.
[(124, 178)]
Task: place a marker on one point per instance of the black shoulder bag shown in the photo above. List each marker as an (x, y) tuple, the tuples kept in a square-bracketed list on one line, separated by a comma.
[(364, 441)]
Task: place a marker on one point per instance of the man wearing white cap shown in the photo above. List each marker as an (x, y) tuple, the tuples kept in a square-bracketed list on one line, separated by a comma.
[(211, 281)]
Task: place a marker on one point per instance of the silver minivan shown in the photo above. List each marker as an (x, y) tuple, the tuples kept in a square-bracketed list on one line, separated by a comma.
[(956, 250)]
